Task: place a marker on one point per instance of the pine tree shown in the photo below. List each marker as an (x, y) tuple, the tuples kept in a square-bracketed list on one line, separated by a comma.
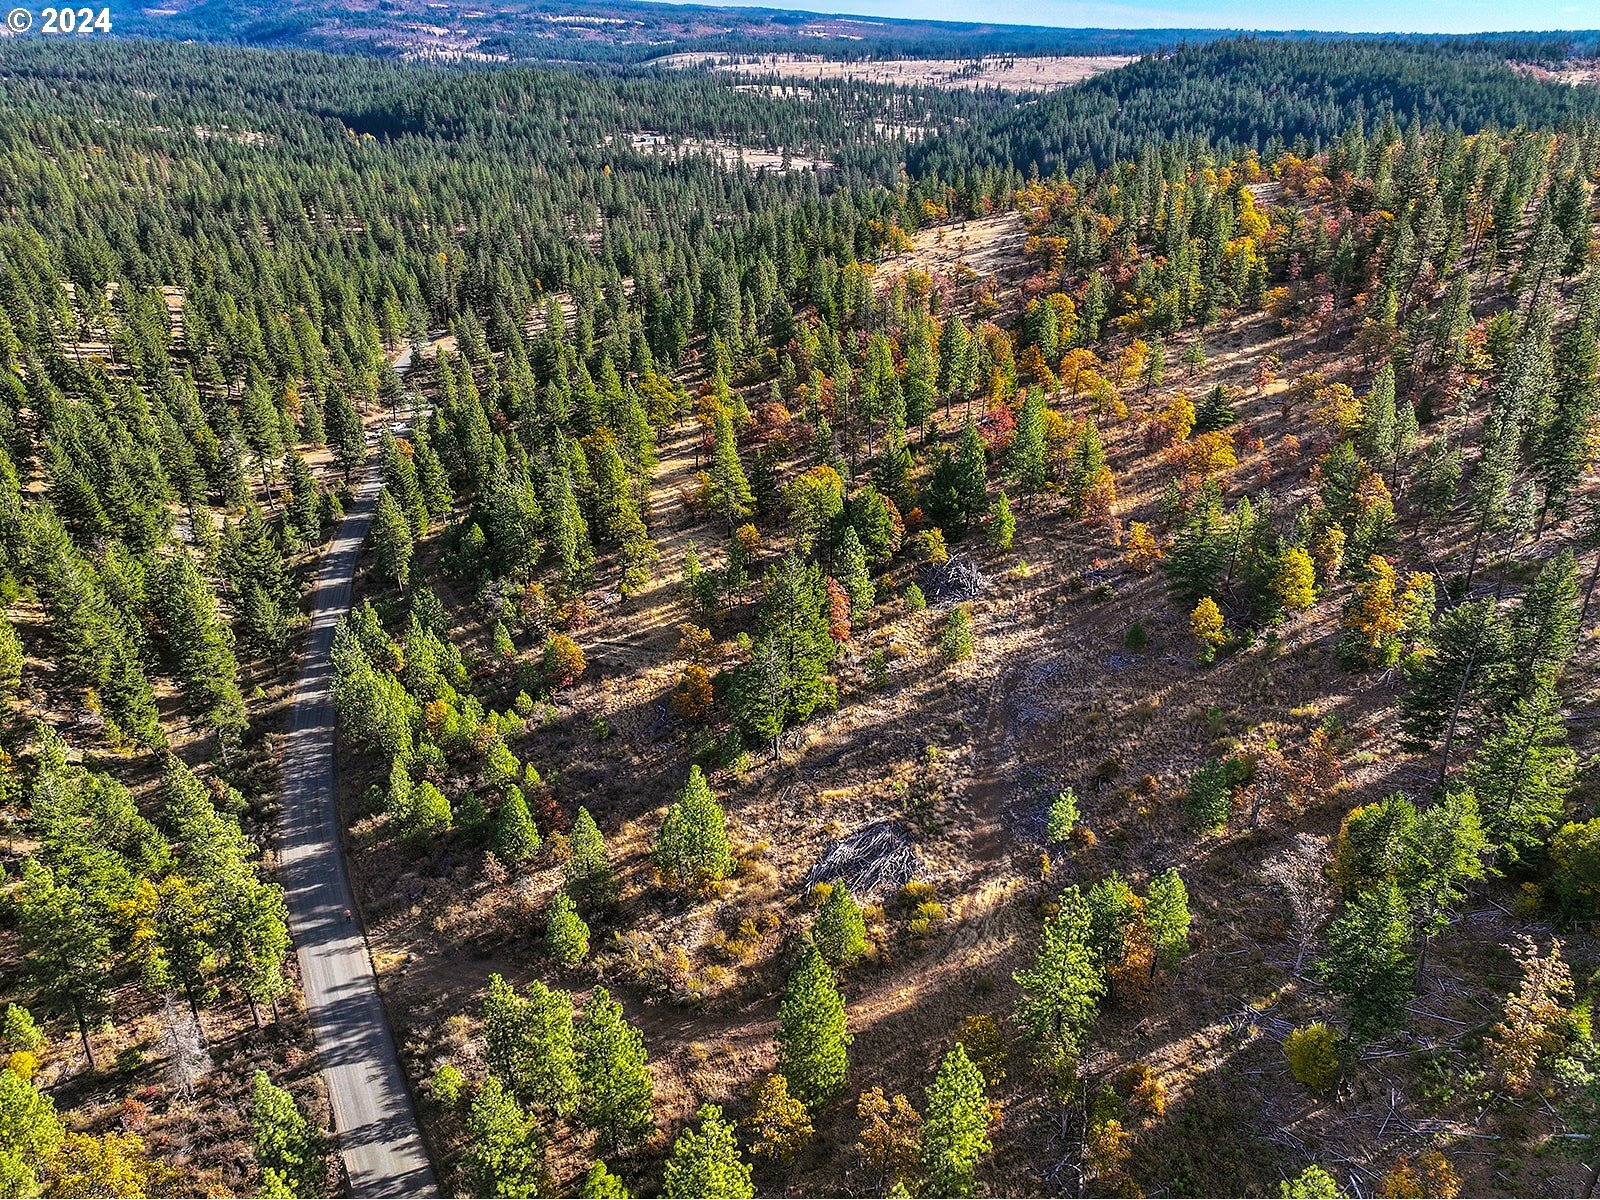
[(516, 837), (1061, 991), (1062, 818), (1002, 524), (430, 814), (1166, 913), (588, 867), (67, 935), (286, 1146), (691, 849), (1444, 852), (959, 490), (955, 640), (600, 1184), (787, 676), (955, 1129), (505, 1150), (11, 660), (1028, 460), (1452, 676), (1544, 628), (391, 539), (1311, 1184), (615, 1092), (1199, 550), (850, 568), (813, 1042), (202, 648), (1379, 433), (705, 1162), (529, 1042), (728, 492), (840, 930), (1522, 774), (566, 933), (32, 1132), (1086, 469), (346, 435), (1369, 964)]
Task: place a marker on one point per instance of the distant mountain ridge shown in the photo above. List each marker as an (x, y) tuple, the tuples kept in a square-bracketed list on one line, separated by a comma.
[(631, 31)]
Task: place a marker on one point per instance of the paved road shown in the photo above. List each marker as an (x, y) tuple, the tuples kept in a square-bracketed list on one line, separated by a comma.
[(372, 1112)]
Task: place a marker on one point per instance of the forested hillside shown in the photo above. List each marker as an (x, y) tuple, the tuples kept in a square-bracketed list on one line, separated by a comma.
[(1005, 649), (1258, 94)]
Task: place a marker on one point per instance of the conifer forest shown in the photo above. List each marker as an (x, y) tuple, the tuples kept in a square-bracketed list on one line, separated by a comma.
[(611, 599)]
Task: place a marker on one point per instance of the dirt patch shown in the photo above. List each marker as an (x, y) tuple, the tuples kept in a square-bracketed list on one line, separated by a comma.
[(1580, 72), (728, 154)]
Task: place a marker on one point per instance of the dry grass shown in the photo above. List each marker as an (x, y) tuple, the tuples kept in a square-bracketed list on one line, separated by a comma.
[(966, 757), (1044, 73)]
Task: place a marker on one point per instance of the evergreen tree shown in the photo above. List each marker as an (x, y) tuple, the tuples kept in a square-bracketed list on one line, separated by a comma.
[(787, 676), (1199, 551), (286, 1146), (600, 1184), (1062, 818), (728, 493), (1166, 913), (1029, 462), (68, 937), (1369, 965), (705, 1162), (1544, 628), (201, 647), (615, 1092), (850, 568), (840, 931), (391, 539), (566, 933), (959, 491), (1061, 991), (955, 640), (813, 1043), (516, 837), (1522, 774), (505, 1150), (588, 867), (346, 436), (1453, 676), (955, 1129), (529, 1042), (1002, 524), (692, 848)]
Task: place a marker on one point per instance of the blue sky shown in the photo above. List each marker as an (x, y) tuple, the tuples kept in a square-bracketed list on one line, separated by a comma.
[(1355, 16)]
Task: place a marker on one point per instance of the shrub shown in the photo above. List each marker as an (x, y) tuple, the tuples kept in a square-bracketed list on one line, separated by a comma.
[(563, 661), (840, 929), (1063, 817), (566, 934), (778, 1125), (19, 1029), (955, 643), (1313, 1054), (1210, 796), (446, 1085)]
